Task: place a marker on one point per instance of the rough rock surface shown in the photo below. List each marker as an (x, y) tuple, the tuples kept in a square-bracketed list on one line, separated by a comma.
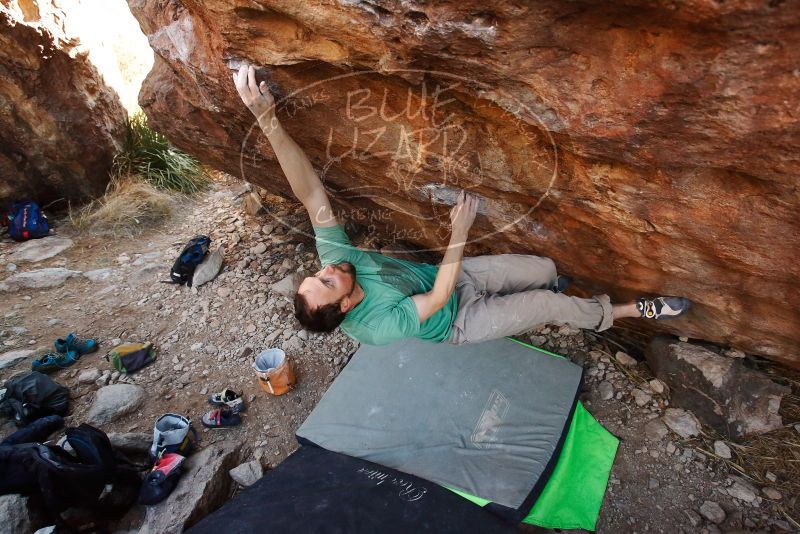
[(14, 515), (40, 249), (12, 357), (247, 473), (683, 423), (39, 279), (131, 442), (204, 486), (722, 392), (60, 124), (115, 401), (647, 149)]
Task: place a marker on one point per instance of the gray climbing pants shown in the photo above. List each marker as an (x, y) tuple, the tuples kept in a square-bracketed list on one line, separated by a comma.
[(508, 294)]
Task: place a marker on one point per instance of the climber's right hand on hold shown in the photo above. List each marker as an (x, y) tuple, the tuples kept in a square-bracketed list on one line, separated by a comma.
[(256, 96)]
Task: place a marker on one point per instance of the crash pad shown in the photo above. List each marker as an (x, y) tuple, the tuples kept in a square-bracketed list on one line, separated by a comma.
[(488, 419), (319, 491)]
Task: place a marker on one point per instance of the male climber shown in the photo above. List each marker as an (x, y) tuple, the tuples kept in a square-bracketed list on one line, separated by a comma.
[(376, 299)]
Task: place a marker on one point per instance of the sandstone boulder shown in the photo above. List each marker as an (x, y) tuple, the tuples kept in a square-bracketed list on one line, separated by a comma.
[(624, 139), (60, 124), (720, 391)]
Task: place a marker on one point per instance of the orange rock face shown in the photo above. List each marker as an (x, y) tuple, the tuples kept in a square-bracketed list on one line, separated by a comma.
[(60, 124), (647, 149)]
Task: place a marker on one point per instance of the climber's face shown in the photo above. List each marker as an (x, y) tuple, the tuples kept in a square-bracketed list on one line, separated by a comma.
[(334, 283)]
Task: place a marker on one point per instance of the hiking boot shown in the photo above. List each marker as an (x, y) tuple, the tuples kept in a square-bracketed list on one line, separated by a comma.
[(562, 283), (663, 307), (53, 361), (75, 343)]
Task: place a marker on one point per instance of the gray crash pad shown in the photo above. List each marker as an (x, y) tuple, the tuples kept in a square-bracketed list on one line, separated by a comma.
[(486, 419)]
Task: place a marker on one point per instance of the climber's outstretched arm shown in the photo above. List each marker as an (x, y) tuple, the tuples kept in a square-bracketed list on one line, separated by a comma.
[(301, 175)]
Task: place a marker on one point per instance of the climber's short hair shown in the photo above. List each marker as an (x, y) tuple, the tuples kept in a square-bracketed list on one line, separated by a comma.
[(322, 319)]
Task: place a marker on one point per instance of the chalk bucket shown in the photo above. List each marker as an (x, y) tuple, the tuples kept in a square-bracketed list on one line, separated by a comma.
[(274, 372)]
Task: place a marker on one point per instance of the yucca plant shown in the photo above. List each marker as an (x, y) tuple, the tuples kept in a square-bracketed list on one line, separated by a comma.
[(151, 156)]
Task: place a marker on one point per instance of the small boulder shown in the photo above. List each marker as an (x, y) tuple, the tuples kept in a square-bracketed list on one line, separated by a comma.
[(252, 204), (112, 402), (247, 473), (656, 386), (605, 390), (39, 279), (712, 512), (208, 268), (640, 397), (288, 286), (683, 423), (734, 400), (722, 450), (655, 430), (40, 249), (13, 357), (89, 376), (131, 442), (625, 359), (742, 491)]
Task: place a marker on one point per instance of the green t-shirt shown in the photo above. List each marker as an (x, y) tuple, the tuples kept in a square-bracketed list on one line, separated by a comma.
[(387, 312)]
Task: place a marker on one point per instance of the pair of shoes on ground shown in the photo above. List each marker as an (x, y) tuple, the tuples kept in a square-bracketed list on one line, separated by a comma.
[(68, 351), (230, 404)]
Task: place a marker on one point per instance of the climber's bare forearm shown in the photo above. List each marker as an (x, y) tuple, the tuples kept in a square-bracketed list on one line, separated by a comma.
[(301, 175), (434, 300)]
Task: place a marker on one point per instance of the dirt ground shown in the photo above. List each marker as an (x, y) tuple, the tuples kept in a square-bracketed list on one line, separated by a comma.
[(657, 485)]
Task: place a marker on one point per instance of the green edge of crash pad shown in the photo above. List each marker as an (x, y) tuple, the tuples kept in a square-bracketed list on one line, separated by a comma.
[(572, 497)]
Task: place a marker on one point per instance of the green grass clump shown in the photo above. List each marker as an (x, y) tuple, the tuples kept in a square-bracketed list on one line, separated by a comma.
[(151, 156)]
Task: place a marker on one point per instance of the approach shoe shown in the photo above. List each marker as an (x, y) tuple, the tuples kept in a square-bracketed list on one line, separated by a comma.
[(561, 284), (663, 307), (73, 342), (219, 418), (229, 399), (53, 361)]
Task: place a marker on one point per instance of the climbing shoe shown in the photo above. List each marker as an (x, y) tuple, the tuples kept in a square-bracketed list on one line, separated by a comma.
[(75, 343), (229, 399), (219, 418), (53, 361), (562, 283), (663, 307)]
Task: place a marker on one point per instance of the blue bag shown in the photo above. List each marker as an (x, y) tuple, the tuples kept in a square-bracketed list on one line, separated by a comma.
[(26, 220)]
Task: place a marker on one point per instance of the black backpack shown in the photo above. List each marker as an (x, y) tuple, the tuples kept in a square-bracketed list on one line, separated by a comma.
[(95, 478), (190, 257), (34, 395)]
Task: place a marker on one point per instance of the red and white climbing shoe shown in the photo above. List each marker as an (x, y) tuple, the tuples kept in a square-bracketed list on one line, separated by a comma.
[(663, 307)]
